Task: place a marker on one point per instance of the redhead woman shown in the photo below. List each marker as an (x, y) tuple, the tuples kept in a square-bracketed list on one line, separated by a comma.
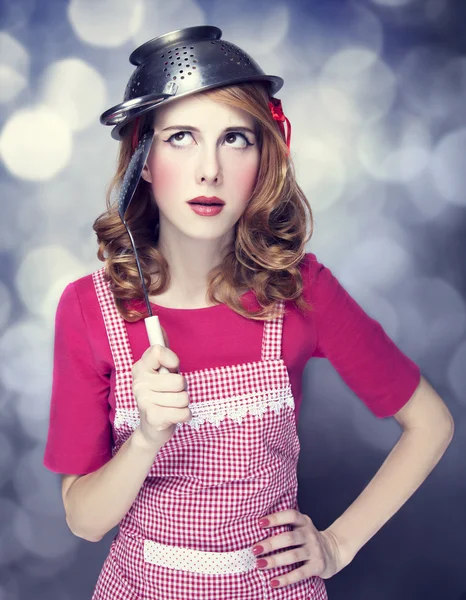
[(190, 445)]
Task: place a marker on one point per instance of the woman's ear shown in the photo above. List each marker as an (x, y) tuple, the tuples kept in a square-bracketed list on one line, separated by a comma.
[(146, 174)]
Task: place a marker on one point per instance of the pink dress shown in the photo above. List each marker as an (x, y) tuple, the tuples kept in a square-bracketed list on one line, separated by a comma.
[(190, 531)]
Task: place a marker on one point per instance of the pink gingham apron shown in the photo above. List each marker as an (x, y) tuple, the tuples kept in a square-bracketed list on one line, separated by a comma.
[(190, 531)]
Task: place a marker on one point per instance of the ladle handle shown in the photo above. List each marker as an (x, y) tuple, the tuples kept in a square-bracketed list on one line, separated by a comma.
[(155, 335)]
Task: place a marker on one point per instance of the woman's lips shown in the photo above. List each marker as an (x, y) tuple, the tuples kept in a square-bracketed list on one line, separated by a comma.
[(206, 210)]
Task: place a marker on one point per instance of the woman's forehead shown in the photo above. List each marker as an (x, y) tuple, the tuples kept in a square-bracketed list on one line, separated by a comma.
[(199, 108)]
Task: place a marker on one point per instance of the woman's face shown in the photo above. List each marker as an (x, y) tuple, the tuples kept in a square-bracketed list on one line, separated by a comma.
[(201, 148)]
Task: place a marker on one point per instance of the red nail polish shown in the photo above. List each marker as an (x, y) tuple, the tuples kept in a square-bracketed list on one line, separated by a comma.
[(257, 550), (264, 522), (261, 563), (274, 583)]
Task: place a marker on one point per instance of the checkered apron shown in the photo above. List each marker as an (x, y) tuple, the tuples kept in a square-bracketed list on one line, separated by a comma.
[(190, 531)]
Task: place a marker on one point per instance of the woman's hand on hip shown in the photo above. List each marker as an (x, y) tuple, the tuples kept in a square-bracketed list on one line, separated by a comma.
[(318, 550)]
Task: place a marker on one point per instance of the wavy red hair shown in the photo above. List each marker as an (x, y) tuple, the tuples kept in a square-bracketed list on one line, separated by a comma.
[(270, 237)]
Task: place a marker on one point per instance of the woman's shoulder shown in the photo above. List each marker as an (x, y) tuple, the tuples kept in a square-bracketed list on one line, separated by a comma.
[(81, 293)]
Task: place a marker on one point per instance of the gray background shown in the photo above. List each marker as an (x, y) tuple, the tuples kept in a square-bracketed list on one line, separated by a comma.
[(375, 91)]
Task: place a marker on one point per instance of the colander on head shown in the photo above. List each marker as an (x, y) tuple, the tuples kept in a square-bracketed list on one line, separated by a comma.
[(180, 63), (168, 67)]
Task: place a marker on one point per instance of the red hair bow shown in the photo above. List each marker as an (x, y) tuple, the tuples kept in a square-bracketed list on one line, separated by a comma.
[(276, 109)]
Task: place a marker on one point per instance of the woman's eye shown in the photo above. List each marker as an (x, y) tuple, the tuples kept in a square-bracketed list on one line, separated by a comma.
[(180, 136), (180, 139), (230, 138)]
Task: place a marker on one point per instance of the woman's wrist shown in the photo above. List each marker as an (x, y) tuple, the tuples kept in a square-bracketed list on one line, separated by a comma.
[(142, 444)]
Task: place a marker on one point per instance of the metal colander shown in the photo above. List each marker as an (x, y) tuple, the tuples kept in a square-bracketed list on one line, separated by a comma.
[(178, 64)]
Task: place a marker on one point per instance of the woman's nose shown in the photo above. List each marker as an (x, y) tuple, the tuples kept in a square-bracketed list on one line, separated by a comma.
[(209, 168)]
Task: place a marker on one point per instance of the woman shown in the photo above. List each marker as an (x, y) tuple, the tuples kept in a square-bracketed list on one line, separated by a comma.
[(197, 464)]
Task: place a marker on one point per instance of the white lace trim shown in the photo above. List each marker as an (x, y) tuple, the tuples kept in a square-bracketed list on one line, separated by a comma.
[(197, 561), (216, 411)]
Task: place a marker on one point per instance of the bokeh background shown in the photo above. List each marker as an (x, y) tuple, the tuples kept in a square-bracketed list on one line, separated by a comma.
[(376, 94)]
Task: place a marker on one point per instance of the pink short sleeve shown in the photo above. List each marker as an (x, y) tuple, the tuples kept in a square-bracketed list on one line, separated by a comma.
[(367, 360), (79, 437)]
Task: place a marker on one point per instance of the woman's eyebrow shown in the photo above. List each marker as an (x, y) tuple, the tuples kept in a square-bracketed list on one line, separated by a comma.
[(191, 128)]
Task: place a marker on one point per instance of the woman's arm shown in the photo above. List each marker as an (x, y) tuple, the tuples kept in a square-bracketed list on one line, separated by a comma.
[(95, 503), (427, 431)]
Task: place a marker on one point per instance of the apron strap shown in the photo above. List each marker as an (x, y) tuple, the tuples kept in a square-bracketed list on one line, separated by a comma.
[(118, 340), (272, 337)]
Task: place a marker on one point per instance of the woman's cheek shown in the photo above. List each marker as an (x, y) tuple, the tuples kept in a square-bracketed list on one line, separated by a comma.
[(245, 178), (165, 174)]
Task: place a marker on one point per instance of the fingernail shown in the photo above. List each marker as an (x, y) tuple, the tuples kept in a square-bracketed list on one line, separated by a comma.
[(261, 563), (274, 583), (257, 550), (264, 522)]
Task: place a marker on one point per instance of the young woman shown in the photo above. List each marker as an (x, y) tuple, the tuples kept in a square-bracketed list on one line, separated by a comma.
[(197, 464)]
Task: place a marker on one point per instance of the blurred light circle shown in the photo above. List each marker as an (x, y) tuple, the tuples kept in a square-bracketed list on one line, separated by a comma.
[(442, 308), (41, 288), (338, 106), (35, 144), (162, 17), (323, 177), (37, 488), (433, 81), (368, 93), (423, 194), (11, 549), (396, 148), (106, 23), (260, 33), (33, 413), (362, 27), (11, 84), (379, 262), (449, 167), (349, 62), (392, 3), (456, 373), (45, 536), (75, 91), (5, 305), (26, 358), (14, 65)]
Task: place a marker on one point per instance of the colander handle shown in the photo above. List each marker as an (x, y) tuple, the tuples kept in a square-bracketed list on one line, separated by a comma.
[(155, 335)]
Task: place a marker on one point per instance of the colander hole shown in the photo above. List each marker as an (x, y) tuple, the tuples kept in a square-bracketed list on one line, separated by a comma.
[(166, 62), (191, 55), (186, 58), (179, 64), (191, 47), (182, 77), (162, 56), (168, 75), (176, 48), (181, 71), (172, 63), (189, 73), (174, 76), (165, 69), (195, 60), (184, 47), (194, 67), (185, 53)]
